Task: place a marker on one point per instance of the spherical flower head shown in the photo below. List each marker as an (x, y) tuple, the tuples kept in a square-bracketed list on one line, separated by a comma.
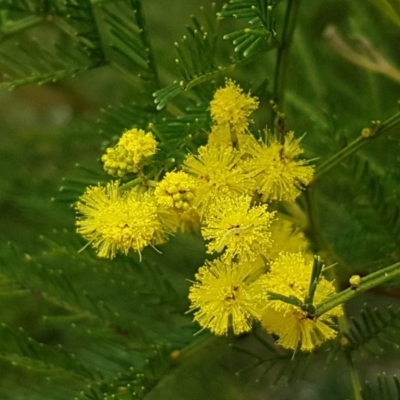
[(117, 162), (117, 221), (176, 190), (242, 230), (224, 297), (290, 275), (130, 153), (231, 107), (139, 144), (285, 237), (280, 177), (217, 172)]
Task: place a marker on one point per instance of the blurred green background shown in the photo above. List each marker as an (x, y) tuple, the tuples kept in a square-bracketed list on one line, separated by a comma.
[(46, 130)]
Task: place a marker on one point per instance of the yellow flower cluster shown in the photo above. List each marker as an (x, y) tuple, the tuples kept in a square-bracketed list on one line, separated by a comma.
[(223, 191), (176, 190), (259, 251), (130, 153), (229, 294)]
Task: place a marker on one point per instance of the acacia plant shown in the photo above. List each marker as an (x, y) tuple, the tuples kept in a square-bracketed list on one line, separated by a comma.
[(226, 215)]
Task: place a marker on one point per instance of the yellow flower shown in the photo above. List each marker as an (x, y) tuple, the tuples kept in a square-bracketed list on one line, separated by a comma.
[(285, 237), (118, 221), (218, 173), (279, 176), (224, 297), (243, 230), (139, 143), (130, 153), (231, 107), (220, 135), (296, 330), (176, 190), (290, 275), (182, 221)]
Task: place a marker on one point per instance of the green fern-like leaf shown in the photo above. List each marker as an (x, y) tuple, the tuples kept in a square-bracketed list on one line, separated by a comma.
[(371, 332), (261, 34), (274, 361), (383, 389), (375, 187), (129, 47), (86, 341), (196, 61), (36, 62)]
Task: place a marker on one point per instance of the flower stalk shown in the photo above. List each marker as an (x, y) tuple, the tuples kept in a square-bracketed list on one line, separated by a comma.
[(367, 134), (368, 282), (283, 51)]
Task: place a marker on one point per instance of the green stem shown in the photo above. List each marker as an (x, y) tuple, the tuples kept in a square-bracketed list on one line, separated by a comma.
[(137, 6), (10, 28), (174, 110), (289, 25), (367, 282), (313, 231), (288, 300), (195, 347), (355, 379), (356, 144), (130, 184), (221, 71)]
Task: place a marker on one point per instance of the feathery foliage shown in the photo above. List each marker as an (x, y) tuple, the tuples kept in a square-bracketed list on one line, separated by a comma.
[(383, 388), (77, 326)]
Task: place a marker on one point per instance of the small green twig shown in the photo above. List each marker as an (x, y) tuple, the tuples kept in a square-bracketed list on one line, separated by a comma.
[(367, 134), (11, 28), (195, 347), (289, 25), (137, 6), (367, 282), (315, 277), (130, 184), (221, 71), (286, 299), (313, 230)]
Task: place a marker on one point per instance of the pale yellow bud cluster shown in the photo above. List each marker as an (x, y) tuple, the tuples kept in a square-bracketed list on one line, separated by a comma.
[(176, 190), (130, 153), (118, 162)]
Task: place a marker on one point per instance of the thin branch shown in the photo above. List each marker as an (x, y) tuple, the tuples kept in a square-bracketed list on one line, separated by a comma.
[(367, 283), (367, 134), (283, 51)]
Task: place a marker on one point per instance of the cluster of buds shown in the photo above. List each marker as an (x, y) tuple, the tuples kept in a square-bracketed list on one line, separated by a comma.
[(130, 153)]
